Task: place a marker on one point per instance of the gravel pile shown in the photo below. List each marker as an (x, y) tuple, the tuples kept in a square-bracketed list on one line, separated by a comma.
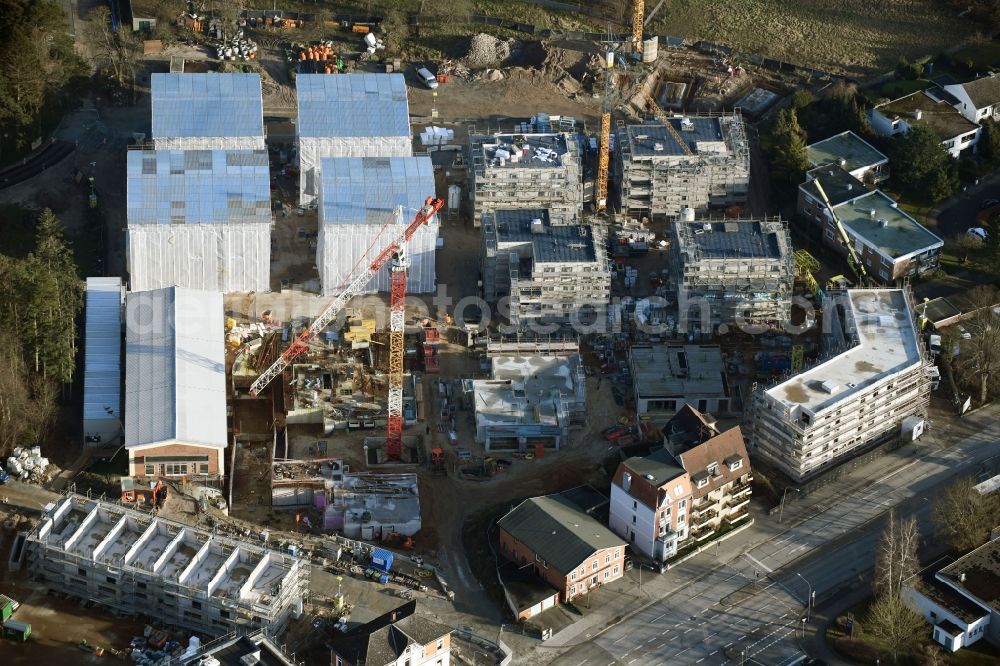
[(486, 50)]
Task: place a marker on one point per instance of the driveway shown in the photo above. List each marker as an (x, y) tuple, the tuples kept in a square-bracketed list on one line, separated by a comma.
[(959, 213)]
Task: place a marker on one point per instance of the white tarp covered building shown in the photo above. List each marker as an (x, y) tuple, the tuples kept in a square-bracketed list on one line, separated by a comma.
[(358, 196), (349, 115), (199, 219), (102, 371), (175, 382), (207, 111)]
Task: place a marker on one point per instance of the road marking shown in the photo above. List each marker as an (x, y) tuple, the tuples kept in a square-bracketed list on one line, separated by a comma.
[(700, 660), (688, 629), (759, 563), (713, 653)]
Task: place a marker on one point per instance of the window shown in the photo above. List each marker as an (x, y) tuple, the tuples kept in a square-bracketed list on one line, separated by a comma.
[(703, 482), (177, 469), (203, 468), (150, 471), (633, 519), (607, 559), (82, 571), (607, 574), (616, 569), (678, 489), (572, 590), (572, 576), (593, 565), (735, 465), (195, 604), (635, 505), (713, 469), (440, 644), (111, 579), (224, 614)]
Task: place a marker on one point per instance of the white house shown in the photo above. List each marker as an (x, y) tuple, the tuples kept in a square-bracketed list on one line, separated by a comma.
[(930, 109), (961, 599), (978, 99)]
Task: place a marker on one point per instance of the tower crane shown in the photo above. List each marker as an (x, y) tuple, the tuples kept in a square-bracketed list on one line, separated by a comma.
[(604, 146), (852, 255), (669, 127), (394, 252), (638, 12)]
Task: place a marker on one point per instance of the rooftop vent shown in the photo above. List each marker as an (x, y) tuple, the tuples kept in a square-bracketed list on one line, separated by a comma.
[(650, 477), (687, 124), (850, 187), (882, 223), (872, 213), (843, 161), (537, 227), (829, 386)]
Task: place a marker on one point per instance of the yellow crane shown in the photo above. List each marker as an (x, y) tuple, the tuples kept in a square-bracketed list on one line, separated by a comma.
[(853, 259), (668, 125), (604, 145), (638, 12)]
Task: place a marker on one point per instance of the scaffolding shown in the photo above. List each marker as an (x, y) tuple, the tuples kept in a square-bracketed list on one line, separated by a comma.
[(550, 273), (743, 268), (708, 168), (524, 171), (133, 563)]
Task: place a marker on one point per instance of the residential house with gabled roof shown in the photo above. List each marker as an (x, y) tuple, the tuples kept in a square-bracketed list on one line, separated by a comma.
[(720, 483), (555, 538), (931, 108), (649, 504), (400, 637), (978, 99)]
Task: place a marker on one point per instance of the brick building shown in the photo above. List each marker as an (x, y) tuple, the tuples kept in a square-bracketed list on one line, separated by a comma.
[(556, 539)]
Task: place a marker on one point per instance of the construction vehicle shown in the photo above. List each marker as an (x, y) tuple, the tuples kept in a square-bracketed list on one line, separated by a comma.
[(853, 260), (663, 118), (394, 252), (437, 461)]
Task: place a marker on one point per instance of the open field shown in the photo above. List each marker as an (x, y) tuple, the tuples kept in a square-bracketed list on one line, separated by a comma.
[(853, 37)]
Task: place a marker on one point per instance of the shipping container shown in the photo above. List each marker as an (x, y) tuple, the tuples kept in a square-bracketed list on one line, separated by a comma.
[(18, 631)]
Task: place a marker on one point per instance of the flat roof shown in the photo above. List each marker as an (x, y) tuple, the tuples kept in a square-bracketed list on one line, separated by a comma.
[(677, 371), (940, 117), (701, 135), (837, 182), (352, 105), (887, 344), (366, 190), (875, 218), (855, 152), (526, 390), (102, 373), (175, 368), (733, 239), (523, 151), (198, 187), (549, 243), (977, 573), (659, 465), (207, 105)]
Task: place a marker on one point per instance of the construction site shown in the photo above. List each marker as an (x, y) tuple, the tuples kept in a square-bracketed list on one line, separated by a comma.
[(743, 269)]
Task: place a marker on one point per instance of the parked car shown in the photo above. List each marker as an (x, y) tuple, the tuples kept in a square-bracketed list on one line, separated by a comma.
[(978, 233), (3, 476), (964, 334), (427, 78)]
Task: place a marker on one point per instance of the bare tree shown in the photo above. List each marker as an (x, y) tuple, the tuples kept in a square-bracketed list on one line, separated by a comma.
[(27, 400), (896, 559), (963, 517), (981, 353), (964, 245), (118, 50), (894, 623)]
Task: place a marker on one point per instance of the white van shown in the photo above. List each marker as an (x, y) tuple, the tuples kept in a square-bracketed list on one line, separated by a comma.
[(427, 78)]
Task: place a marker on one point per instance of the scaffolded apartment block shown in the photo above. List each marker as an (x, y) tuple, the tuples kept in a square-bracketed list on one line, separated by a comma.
[(552, 274), (207, 111), (875, 375), (133, 563), (526, 171), (199, 219), (738, 271), (709, 167), (349, 115)]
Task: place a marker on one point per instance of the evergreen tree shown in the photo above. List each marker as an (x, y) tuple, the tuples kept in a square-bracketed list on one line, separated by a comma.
[(921, 166), (788, 150)]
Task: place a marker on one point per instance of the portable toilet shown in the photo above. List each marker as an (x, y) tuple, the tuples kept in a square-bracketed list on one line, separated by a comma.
[(6, 608), (18, 631), (382, 560)]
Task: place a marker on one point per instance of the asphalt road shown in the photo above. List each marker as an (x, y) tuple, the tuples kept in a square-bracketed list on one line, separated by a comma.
[(960, 215), (750, 608)]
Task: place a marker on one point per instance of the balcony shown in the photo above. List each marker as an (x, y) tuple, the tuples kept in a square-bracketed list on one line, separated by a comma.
[(737, 516), (701, 532), (735, 503), (704, 507), (704, 516)]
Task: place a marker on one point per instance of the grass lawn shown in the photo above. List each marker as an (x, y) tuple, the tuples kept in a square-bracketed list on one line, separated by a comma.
[(983, 55), (895, 89)]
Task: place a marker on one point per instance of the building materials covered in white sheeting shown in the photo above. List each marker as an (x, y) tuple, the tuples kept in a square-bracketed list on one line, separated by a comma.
[(207, 111), (349, 115), (358, 197), (199, 219), (102, 372)]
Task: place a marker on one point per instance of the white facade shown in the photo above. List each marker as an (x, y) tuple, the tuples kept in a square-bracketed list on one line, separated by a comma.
[(175, 370), (956, 632), (216, 257), (957, 133), (349, 115), (358, 197), (102, 374), (978, 99), (641, 532), (207, 111)]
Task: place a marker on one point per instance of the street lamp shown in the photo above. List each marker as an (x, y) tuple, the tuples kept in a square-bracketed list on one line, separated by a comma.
[(742, 654), (781, 508), (810, 598), (803, 628)]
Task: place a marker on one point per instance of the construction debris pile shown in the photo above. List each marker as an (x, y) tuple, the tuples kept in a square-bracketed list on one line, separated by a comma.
[(28, 465), (486, 50)]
